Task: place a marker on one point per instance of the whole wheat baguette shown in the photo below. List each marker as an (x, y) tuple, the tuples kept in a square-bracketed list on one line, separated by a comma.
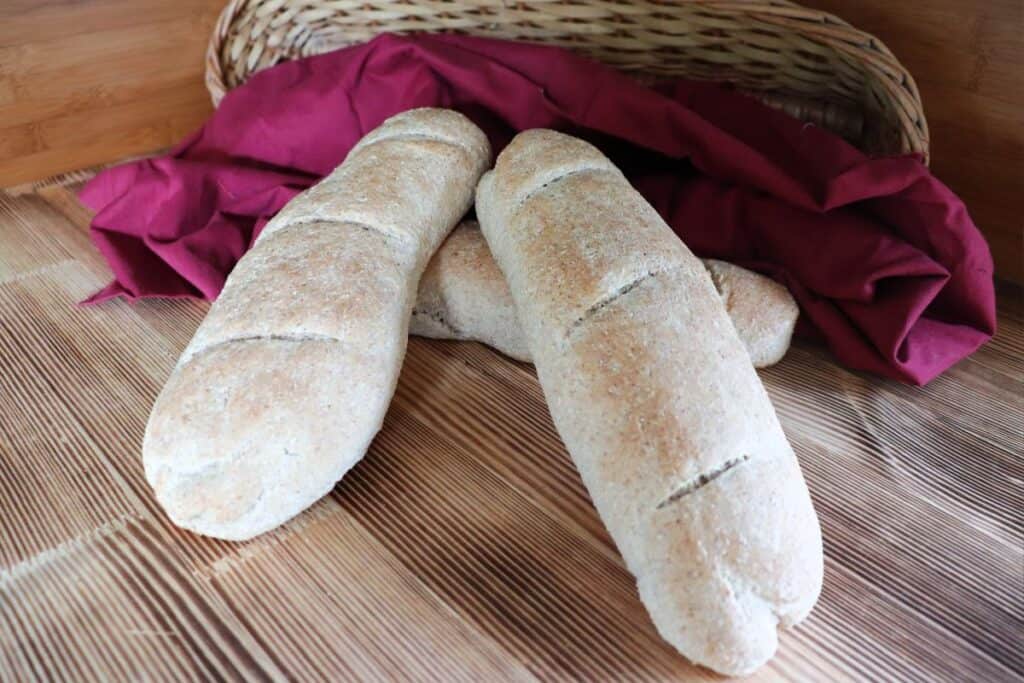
[(656, 400), (287, 380), (463, 295)]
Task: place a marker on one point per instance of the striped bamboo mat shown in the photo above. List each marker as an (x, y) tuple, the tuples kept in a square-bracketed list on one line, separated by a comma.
[(464, 546)]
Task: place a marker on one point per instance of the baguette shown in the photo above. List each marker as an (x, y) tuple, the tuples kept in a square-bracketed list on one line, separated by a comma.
[(464, 296), (287, 380), (653, 394)]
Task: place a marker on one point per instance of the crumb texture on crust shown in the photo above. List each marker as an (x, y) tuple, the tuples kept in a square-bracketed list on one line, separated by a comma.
[(463, 295), (653, 392), (287, 380)]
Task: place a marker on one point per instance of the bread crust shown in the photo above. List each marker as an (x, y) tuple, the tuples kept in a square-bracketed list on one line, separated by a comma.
[(288, 378), (463, 296), (657, 401)]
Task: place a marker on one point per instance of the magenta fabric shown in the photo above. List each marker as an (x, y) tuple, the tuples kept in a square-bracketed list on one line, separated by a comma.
[(887, 266)]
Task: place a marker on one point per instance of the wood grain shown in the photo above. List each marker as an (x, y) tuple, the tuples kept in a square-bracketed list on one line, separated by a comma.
[(87, 82), (464, 546)]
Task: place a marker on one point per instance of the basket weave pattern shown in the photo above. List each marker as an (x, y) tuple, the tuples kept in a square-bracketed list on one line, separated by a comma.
[(809, 63)]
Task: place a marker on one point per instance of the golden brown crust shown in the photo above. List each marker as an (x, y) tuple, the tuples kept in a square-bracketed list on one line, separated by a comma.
[(656, 400), (287, 380), (463, 295), (248, 433), (333, 280), (399, 187), (763, 311)]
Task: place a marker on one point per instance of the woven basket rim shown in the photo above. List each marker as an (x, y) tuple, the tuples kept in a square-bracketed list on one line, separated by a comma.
[(885, 76)]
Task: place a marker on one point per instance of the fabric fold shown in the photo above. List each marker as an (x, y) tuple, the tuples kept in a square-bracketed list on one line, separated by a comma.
[(884, 260)]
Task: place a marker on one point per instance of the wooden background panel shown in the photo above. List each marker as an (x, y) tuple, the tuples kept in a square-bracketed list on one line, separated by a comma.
[(88, 82), (97, 80)]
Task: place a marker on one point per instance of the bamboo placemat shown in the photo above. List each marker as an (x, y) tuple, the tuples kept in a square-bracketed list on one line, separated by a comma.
[(464, 545)]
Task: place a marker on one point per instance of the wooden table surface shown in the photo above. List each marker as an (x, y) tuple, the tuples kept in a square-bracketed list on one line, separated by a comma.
[(464, 545)]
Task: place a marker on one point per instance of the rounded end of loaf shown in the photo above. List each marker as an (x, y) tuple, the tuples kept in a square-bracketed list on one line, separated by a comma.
[(762, 310), (537, 157), (740, 629), (443, 125), (753, 565), (410, 179), (228, 449), (740, 643)]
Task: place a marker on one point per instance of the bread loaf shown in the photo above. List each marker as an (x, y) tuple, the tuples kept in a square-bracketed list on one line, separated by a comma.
[(763, 312), (287, 380), (656, 400), (463, 295)]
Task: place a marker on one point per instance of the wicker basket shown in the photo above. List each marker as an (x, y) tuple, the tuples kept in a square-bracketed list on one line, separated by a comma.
[(809, 63)]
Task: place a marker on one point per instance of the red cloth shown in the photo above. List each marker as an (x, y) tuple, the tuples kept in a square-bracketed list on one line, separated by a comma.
[(887, 266)]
